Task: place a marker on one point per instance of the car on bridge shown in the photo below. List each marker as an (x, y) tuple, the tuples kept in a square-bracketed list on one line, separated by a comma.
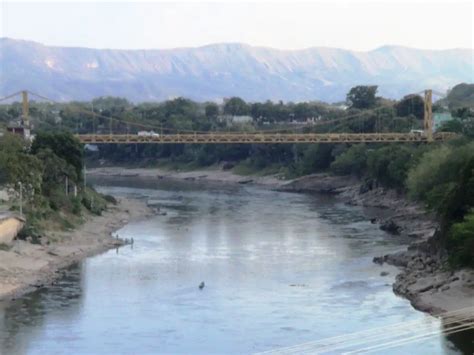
[(147, 134)]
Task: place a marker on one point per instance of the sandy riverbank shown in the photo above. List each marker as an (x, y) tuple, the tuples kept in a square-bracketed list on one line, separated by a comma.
[(27, 266), (425, 278), (211, 174)]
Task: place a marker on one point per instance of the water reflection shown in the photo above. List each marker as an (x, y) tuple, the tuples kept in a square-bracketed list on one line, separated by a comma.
[(280, 269), (24, 318)]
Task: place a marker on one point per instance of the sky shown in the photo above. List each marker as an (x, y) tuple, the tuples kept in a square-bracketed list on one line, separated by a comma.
[(356, 25)]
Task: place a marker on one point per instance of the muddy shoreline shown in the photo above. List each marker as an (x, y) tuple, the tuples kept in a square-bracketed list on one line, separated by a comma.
[(26, 267)]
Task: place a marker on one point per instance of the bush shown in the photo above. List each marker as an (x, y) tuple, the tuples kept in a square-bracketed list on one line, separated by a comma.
[(460, 242), (352, 162), (424, 176), (390, 164)]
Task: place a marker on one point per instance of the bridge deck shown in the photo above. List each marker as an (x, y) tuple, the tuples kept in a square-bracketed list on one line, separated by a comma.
[(261, 138)]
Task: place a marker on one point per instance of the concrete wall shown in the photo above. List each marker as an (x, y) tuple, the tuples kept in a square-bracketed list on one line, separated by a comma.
[(9, 228)]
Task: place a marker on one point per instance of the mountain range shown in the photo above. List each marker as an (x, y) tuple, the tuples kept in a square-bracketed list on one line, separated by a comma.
[(216, 71)]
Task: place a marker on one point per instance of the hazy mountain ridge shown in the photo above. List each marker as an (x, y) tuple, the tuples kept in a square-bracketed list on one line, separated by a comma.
[(220, 70)]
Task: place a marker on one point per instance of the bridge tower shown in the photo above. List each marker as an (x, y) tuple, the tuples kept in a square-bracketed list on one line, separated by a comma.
[(25, 117), (428, 115)]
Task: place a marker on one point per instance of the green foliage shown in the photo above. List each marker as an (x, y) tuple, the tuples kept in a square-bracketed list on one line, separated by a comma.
[(313, 158), (461, 242), (410, 105), (212, 110), (16, 166), (93, 201), (362, 97), (235, 106), (351, 162), (424, 177), (390, 164), (449, 173), (65, 147)]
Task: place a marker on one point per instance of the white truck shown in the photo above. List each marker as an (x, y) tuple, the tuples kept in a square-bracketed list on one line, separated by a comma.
[(147, 134)]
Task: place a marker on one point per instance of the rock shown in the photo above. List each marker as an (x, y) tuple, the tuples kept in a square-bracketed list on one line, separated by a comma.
[(445, 288), (379, 259), (228, 166), (245, 181), (424, 289), (384, 273), (366, 186), (391, 227)]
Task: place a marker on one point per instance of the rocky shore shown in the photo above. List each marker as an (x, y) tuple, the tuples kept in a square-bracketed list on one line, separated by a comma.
[(425, 278), (25, 267)]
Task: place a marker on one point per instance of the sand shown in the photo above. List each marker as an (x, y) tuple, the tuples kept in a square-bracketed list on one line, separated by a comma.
[(210, 174), (26, 267)]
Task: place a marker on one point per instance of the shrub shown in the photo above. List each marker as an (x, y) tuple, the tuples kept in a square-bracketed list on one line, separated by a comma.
[(352, 161), (460, 242), (423, 177)]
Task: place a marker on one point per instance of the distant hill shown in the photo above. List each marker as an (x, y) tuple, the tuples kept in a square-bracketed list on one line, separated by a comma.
[(222, 70), (461, 95)]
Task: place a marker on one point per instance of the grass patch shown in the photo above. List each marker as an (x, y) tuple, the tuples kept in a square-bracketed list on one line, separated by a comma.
[(5, 247)]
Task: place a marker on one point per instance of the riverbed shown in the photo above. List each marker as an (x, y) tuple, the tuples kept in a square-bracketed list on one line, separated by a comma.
[(279, 269)]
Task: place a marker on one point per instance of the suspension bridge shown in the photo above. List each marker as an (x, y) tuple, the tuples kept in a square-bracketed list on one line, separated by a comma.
[(281, 136)]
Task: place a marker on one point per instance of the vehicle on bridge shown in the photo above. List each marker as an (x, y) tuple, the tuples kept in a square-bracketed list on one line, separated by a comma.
[(147, 134)]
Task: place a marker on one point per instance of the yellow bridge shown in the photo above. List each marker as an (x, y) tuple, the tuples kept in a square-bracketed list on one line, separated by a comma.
[(261, 138)]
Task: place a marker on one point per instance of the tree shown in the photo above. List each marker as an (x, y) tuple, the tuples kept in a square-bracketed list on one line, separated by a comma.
[(212, 110), (65, 146), (352, 161), (362, 97), (410, 105), (16, 165), (54, 170), (235, 106)]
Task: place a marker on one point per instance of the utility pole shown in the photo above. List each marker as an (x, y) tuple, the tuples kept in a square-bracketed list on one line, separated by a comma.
[(85, 176), (21, 198), (25, 109), (428, 115)]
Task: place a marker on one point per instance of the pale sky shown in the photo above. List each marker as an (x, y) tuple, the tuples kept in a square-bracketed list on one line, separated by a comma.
[(357, 25)]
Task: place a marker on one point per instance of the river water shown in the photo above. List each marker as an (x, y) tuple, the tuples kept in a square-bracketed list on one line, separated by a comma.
[(280, 269)]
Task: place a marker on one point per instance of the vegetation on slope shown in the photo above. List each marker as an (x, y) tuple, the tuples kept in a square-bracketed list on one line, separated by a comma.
[(49, 174)]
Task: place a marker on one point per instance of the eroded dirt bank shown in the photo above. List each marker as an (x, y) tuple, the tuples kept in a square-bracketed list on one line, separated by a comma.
[(27, 266), (425, 279)]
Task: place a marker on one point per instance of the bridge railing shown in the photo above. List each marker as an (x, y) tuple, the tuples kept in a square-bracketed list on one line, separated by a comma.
[(260, 138)]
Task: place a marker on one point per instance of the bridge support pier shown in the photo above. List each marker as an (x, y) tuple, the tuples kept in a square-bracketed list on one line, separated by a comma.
[(428, 115)]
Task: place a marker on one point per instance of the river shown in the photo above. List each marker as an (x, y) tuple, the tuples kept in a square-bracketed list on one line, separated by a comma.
[(280, 269)]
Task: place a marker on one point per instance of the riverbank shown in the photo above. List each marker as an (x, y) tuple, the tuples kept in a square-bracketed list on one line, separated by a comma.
[(211, 174), (26, 266), (425, 278)]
